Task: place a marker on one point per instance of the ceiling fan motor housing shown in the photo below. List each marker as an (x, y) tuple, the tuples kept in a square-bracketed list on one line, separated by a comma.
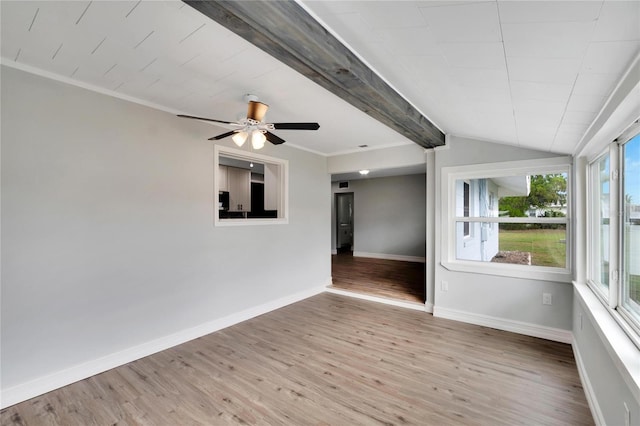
[(256, 110)]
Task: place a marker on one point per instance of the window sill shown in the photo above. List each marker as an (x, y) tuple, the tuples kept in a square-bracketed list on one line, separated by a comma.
[(624, 353), (250, 222), (513, 271)]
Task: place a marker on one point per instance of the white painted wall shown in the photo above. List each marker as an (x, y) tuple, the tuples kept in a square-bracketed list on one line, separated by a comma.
[(478, 297), (107, 229), (389, 215)]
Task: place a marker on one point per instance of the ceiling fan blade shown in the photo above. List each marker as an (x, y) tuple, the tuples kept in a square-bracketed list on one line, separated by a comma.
[(274, 139), (222, 136), (257, 110), (296, 126), (205, 119)]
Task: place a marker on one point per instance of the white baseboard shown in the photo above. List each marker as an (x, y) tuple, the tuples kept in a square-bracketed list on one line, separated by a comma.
[(334, 251), (389, 256), (41, 385), (428, 306), (596, 412), (394, 302), (528, 329)]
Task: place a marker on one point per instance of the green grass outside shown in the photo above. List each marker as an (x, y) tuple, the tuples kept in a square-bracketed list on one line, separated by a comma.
[(547, 246)]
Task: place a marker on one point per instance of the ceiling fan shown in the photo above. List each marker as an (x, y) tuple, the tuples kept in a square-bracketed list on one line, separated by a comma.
[(253, 125)]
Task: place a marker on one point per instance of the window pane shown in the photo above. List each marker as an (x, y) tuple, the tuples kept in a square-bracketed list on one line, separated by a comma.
[(513, 196), (516, 243), (631, 234), (599, 241), (466, 207)]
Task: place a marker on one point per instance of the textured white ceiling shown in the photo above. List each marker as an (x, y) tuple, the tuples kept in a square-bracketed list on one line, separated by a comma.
[(527, 73), (533, 74)]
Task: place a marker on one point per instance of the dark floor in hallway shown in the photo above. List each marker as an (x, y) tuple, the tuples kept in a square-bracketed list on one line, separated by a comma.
[(379, 277)]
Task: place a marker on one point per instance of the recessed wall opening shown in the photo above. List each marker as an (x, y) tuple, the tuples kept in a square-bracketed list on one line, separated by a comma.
[(249, 188)]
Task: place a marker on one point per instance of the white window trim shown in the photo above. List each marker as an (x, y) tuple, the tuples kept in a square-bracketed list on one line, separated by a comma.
[(613, 300), (251, 156), (512, 168), (609, 298)]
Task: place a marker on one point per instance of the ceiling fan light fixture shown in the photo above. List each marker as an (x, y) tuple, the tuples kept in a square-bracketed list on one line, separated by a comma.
[(258, 139), (253, 125), (240, 138)]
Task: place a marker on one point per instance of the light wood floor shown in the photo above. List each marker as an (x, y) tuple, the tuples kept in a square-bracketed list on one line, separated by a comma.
[(331, 360), (379, 277)]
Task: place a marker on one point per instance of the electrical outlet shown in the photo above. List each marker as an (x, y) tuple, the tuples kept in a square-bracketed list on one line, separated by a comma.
[(444, 286), (546, 299), (580, 320)]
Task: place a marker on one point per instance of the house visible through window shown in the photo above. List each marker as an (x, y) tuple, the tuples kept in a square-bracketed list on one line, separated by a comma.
[(466, 226)]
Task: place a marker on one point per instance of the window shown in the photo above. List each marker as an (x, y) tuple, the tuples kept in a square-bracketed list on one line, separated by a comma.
[(614, 227), (508, 219), (251, 188), (630, 246), (599, 190), (466, 185)]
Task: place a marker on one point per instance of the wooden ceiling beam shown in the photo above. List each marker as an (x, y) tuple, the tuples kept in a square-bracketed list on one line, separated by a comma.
[(287, 32)]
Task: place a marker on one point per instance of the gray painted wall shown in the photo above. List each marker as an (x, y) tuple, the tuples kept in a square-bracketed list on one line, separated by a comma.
[(389, 215), (377, 159), (506, 298), (108, 240), (609, 387), (107, 229), (602, 342)]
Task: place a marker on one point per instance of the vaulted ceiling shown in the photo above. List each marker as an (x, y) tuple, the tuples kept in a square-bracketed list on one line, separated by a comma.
[(533, 74)]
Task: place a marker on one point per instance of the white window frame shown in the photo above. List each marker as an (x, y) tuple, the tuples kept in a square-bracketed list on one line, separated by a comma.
[(449, 177), (613, 300), (631, 319), (283, 187), (606, 297)]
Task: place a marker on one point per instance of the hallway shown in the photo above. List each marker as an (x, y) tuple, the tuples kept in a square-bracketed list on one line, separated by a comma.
[(379, 277)]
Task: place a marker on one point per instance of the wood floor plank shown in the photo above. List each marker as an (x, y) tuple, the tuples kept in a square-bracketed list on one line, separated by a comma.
[(331, 360), (379, 277)]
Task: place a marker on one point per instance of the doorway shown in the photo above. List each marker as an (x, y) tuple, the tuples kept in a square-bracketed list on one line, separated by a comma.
[(358, 269), (344, 223)]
